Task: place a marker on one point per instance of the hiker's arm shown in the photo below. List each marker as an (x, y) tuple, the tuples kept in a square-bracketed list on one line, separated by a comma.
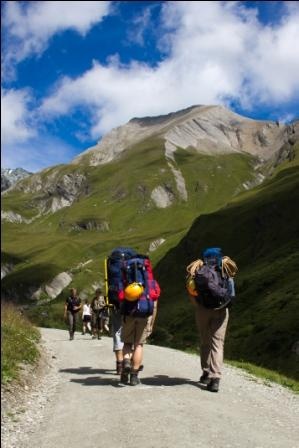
[(65, 310), (78, 307)]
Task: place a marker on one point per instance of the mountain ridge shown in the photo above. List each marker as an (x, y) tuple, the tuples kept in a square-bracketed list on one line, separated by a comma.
[(203, 130), (207, 129)]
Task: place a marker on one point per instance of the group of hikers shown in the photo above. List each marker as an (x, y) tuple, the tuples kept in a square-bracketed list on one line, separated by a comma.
[(95, 316), (131, 305)]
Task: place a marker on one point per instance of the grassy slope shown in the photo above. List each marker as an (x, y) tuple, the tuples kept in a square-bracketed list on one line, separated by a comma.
[(259, 230), (119, 194), (19, 339)]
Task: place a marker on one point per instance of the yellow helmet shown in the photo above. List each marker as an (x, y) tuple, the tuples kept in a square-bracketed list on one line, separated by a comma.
[(191, 288), (133, 291)]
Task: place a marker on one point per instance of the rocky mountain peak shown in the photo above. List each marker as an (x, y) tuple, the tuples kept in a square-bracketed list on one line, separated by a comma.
[(159, 119), (11, 176), (207, 129)]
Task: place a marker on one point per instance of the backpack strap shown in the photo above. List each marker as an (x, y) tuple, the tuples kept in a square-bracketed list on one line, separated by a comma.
[(146, 281)]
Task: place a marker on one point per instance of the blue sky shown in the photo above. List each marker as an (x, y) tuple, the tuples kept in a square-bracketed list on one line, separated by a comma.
[(72, 71)]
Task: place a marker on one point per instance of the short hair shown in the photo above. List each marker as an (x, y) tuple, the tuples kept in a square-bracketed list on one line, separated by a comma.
[(98, 290)]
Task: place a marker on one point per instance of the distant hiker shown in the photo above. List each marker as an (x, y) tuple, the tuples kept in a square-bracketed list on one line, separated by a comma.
[(72, 307), (211, 288), (98, 306), (86, 317), (131, 282)]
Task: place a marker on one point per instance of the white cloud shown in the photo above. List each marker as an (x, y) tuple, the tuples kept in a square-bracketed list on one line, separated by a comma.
[(23, 141), (30, 25), (15, 125), (140, 24), (216, 51)]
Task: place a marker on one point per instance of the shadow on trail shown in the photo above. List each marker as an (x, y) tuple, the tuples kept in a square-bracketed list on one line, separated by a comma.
[(93, 380), (88, 370), (97, 381), (165, 380), (157, 380)]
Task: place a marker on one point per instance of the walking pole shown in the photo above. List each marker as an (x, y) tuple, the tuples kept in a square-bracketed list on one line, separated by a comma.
[(106, 294), (107, 304), (106, 281)]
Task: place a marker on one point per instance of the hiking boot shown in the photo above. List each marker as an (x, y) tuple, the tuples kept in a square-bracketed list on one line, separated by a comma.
[(119, 367), (71, 336), (213, 385), (204, 379), (124, 378), (134, 380), (126, 366)]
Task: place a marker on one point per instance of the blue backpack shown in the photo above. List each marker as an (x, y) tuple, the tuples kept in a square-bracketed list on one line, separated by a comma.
[(214, 290), (125, 266), (115, 272), (138, 269)]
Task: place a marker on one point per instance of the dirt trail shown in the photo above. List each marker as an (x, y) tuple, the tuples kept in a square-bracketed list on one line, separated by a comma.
[(83, 404)]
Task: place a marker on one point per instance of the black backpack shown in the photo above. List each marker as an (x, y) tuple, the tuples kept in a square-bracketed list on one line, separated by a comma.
[(214, 290)]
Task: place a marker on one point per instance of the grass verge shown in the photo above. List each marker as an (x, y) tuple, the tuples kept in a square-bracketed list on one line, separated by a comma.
[(18, 342), (266, 374)]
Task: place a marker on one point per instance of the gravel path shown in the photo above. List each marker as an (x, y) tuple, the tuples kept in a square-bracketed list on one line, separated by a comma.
[(78, 402)]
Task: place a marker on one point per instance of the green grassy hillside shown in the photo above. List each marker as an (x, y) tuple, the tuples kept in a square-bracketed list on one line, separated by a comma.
[(120, 210), (260, 231)]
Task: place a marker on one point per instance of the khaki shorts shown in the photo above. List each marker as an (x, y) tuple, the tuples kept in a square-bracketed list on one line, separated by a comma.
[(135, 330)]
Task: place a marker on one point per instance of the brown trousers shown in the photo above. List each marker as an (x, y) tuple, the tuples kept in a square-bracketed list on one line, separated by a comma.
[(211, 326)]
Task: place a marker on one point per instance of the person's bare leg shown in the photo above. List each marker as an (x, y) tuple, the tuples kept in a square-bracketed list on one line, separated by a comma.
[(119, 361), (126, 367), (119, 355), (137, 357), (127, 351)]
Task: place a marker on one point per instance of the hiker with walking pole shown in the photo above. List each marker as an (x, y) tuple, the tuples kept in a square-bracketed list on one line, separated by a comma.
[(211, 288), (132, 287)]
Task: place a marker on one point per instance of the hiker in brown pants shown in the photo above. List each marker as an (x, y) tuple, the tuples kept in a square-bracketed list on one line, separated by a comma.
[(211, 287), (211, 326)]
